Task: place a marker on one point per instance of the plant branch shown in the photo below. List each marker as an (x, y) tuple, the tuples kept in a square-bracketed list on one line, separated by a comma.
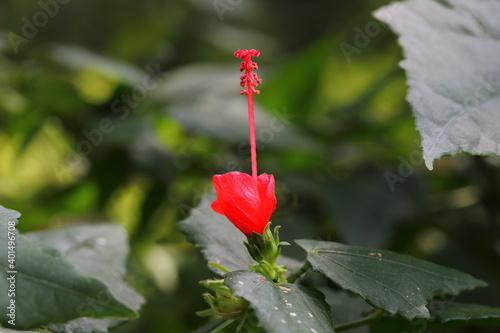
[(221, 327), (298, 273), (357, 323)]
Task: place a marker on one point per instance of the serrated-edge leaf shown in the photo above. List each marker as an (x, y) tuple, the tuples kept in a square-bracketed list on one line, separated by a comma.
[(451, 49), (456, 311), (39, 266), (99, 251), (389, 281), (445, 316), (287, 308)]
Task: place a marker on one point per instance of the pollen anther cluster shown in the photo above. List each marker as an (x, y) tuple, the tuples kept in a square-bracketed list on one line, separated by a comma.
[(249, 79)]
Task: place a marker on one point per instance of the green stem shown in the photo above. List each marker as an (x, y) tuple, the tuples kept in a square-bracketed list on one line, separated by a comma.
[(219, 267), (221, 327), (298, 273), (357, 323)]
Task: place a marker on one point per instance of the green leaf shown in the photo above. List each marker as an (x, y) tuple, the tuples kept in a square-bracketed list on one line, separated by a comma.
[(220, 240), (99, 251), (455, 311), (445, 316), (211, 326), (389, 281), (453, 68), (287, 308), (48, 289)]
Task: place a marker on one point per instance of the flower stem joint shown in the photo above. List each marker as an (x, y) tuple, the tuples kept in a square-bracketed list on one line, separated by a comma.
[(265, 249)]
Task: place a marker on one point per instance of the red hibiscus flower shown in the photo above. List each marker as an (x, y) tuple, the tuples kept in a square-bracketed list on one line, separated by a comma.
[(248, 201)]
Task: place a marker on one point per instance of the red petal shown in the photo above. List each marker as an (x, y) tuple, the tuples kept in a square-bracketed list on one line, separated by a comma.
[(216, 207), (267, 198), (247, 204), (235, 194)]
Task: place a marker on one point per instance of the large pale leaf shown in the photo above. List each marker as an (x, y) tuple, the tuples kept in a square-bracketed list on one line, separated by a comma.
[(287, 308), (48, 288), (99, 251), (389, 281), (452, 62), (221, 242)]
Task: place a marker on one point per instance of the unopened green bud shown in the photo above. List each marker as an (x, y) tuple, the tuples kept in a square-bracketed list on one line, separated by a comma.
[(224, 303)]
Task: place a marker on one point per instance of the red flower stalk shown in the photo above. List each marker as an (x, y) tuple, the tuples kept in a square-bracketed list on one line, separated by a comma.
[(247, 201)]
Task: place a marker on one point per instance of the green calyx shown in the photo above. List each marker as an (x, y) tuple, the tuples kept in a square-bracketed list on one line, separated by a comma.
[(265, 249), (222, 303), (272, 271)]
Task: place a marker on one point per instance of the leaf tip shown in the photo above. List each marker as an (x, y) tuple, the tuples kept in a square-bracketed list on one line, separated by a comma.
[(429, 164)]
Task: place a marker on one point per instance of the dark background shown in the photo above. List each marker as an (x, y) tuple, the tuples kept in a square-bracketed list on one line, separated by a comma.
[(87, 136)]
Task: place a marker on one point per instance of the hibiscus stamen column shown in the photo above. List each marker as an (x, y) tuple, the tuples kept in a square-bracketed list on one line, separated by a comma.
[(249, 81)]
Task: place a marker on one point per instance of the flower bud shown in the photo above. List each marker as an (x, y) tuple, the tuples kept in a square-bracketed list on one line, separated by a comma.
[(224, 304)]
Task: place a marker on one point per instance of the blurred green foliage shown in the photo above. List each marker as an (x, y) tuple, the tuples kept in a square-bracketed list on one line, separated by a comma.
[(123, 110)]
